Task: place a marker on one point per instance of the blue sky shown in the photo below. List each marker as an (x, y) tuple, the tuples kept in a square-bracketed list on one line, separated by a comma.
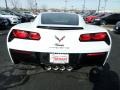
[(90, 4)]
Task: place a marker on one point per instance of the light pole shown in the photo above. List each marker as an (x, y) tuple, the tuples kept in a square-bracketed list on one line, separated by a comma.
[(66, 5), (99, 6), (84, 5), (36, 5), (6, 4), (105, 5)]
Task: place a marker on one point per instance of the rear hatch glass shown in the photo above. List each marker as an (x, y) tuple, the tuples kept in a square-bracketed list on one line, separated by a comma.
[(59, 19)]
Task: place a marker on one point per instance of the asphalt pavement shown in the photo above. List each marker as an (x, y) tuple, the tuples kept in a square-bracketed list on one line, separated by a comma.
[(109, 79)]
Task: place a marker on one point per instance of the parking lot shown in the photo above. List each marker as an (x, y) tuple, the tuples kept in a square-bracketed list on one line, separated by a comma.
[(107, 80)]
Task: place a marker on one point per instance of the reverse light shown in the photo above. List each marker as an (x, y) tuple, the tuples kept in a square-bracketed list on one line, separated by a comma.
[(102, 36), (25, 35)]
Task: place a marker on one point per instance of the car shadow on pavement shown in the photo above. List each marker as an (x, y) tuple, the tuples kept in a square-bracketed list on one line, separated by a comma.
[(4, 31), (105, 80)]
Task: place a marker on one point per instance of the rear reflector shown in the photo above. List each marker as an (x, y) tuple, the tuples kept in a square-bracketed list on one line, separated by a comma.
[(26, 35), (22, 52), (95, 54)]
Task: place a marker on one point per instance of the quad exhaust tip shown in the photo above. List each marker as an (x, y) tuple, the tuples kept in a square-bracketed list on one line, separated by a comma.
[(55, 68), (69, 68), (61, 68), (48, 68)]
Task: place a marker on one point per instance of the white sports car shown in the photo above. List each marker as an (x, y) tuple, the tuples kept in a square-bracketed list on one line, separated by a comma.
[(58, 41)]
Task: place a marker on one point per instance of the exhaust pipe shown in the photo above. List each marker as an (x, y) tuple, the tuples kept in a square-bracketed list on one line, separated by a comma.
[(55, 68), (62, 68), (48, 68), (69, 68)]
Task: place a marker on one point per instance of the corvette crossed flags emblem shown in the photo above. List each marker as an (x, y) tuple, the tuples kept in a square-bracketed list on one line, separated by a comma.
[(59, 39)]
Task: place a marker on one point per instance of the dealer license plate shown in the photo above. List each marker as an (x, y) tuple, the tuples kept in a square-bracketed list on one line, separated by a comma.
[(59, 58)]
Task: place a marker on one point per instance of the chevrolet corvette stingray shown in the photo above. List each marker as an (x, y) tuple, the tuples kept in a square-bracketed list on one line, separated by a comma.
[(58, 41)]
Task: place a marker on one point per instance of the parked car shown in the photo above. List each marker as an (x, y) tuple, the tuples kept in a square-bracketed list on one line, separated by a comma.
[(30, 17), (86, 13), (107, 19), (29, 13), (23, 18), (4, 23), (12, 18), (58, 41), (90, 19), (117, 27)]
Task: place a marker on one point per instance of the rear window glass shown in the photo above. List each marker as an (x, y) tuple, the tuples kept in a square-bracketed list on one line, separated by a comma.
[(59, 18)]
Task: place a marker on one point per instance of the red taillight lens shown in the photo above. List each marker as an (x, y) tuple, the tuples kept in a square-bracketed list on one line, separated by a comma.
[(20, 34), (34, 36), (85, 37), (26, 35), (99, 36), (102, 36)]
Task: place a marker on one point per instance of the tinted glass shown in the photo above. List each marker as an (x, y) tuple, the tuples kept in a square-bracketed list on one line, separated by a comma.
[(60, 19)]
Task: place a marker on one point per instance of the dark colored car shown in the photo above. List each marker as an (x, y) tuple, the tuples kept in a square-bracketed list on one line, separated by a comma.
[(4, 23), (30, 17), (117, 27), (107, 19)]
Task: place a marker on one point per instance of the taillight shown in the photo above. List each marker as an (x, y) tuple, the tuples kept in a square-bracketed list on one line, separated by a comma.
[(85, 37), (20, 34), (34, 36), (26, 35), (99, 36), (102, 36)]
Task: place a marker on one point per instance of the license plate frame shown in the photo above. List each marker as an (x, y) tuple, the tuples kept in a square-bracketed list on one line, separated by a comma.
[(59, 58)]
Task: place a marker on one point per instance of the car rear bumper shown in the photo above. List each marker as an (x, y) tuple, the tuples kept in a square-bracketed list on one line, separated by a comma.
[(75, 59)]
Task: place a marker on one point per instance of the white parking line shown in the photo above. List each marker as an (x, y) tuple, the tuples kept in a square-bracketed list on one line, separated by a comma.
[(110, 28), (1, 33)]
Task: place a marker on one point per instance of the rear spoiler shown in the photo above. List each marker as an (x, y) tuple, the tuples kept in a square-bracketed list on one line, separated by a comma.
[(60, 28)]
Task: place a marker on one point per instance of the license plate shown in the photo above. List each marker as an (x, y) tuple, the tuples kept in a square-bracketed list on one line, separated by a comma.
[(59, 58)]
